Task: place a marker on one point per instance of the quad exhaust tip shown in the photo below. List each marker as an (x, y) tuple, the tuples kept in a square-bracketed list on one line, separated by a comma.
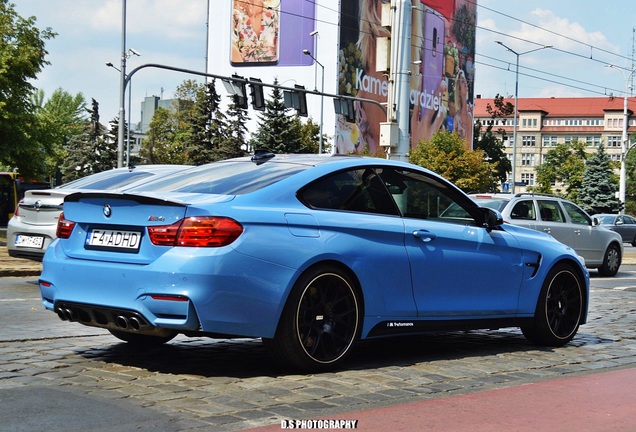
[(126, 323), (66, 314)]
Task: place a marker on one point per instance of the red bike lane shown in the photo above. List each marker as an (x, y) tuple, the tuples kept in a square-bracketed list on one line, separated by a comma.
[(597, 402)]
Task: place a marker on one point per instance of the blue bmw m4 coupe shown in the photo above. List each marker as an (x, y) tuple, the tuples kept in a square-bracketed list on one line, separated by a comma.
[(311, 253)]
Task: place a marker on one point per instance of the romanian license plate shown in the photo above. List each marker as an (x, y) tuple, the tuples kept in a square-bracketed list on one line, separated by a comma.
[(113, 239), (29, 241)]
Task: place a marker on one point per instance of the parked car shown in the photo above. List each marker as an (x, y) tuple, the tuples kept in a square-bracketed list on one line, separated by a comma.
[(601, 248), (13, 186), (625, 225), (311, 253), (32, 227)]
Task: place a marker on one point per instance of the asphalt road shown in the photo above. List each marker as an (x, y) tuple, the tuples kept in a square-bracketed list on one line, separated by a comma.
[(57, 376)]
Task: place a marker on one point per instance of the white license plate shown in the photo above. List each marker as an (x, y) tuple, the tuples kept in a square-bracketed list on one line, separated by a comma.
[(113, 239), (29, 241)]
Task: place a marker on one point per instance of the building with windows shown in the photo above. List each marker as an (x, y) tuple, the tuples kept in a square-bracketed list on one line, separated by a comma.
[(545, 122)]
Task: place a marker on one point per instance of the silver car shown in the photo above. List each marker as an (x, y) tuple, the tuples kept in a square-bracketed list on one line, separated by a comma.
[(32, 227), (601, 248), (625, 225)]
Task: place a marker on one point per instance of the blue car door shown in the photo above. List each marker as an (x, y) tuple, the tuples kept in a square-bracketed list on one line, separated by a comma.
[(458, 269)]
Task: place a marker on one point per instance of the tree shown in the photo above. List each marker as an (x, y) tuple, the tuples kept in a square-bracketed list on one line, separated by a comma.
[(211, 136), (310, 138), (489, 142), (446, 154), (630, 187), (22, 57), (161, 146), (90, 151), (597, 193), (63, 116), (237, 119), (277, 131), (565, 164)]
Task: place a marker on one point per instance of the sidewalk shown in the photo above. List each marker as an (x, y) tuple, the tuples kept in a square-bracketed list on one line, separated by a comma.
[(591, 403), (15, 267)]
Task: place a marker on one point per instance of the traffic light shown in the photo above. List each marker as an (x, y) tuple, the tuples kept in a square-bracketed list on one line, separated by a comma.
[(256, 94), (235, 86), (296, 99), (344, 107)]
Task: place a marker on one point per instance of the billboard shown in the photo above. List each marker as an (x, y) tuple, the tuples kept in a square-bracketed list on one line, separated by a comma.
[(265, 39), (442, 72), (271, 32)]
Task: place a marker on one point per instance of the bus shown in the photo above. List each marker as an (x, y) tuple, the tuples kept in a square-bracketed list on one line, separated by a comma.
[(12, 189)]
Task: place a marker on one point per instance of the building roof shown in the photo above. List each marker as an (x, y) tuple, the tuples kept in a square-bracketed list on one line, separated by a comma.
[(562, 107)]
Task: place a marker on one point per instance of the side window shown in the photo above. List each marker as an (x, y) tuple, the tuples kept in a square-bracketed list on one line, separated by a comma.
[(523, 210), (577, 215), (421, 197), (629, 220), (550, 211), (356, 190)]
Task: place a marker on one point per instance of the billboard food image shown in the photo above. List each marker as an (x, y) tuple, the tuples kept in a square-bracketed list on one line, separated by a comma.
[(442, 54)]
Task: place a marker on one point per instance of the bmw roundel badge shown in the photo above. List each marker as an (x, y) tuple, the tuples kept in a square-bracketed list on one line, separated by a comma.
[(107, 210)]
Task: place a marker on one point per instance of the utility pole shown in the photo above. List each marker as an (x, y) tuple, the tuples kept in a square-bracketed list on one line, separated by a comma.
[(399, 81), (122, 89)]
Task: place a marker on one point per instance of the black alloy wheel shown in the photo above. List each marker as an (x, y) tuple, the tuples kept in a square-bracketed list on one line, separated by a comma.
[(560, 308), (320, 322)]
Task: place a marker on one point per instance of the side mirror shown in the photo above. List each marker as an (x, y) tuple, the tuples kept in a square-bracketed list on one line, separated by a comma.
[(595, 221), (490, 218)]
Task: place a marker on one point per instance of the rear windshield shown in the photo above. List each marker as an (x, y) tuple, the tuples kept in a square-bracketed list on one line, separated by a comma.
[(492, 203), (107, 180), (223, 178), (607, 219)]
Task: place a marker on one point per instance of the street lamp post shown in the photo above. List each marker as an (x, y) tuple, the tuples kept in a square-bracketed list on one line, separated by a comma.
[(322, 97), (516, 114), (122, 88), (625, 147), (109, 64)]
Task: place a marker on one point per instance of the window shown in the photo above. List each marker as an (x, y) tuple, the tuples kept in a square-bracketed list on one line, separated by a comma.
[(614, 141), (550, 211), (549, 141), (593, 141), (356, 190), (528, 178), (527, 159), (528, 141), (577, 216), (421, 197), (523, 210)]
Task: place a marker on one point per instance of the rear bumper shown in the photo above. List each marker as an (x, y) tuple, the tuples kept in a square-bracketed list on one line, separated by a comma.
[(184, 290)]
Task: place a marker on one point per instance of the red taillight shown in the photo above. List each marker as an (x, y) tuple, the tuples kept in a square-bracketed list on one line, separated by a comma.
[(64, 227), (17, 209), (197, 232)]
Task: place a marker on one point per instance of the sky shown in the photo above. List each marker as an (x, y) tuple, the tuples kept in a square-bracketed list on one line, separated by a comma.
[(584, 36)]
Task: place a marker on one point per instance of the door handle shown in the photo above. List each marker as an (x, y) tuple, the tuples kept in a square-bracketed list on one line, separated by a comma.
[(424, 235)]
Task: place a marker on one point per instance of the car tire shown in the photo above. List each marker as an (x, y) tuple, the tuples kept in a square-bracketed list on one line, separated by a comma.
[(139, 339), (634, 241), (560, 308), (320, 321), (611, 261)]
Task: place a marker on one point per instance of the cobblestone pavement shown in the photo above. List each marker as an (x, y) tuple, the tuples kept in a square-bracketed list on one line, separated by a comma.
[(206, 384)]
